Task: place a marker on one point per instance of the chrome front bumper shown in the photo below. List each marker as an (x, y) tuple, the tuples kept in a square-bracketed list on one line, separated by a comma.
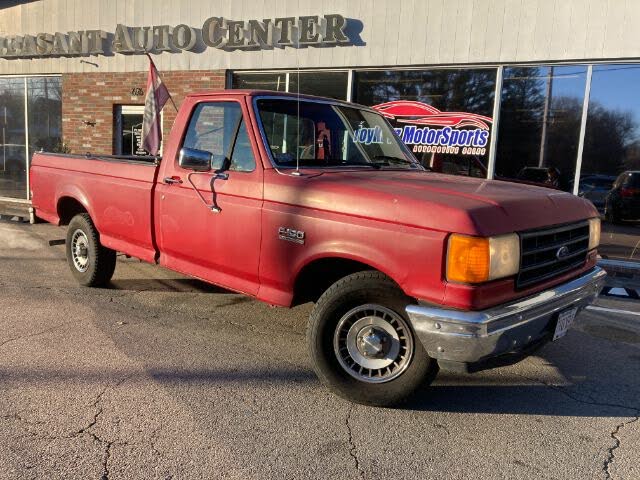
[(474, 336)]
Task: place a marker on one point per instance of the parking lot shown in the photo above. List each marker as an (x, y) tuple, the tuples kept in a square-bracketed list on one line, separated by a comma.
[(165, 377)]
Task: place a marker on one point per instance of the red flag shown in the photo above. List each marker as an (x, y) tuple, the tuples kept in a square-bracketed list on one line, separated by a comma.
[(157, 95)]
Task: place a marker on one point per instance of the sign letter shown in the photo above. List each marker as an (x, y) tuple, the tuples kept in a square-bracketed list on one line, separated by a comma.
[(335, 25)]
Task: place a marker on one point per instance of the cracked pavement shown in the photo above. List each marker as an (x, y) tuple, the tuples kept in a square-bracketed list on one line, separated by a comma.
[(161, 376)]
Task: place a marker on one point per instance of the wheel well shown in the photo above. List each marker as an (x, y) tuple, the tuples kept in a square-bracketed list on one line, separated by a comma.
[(316, 277), (68, 208)]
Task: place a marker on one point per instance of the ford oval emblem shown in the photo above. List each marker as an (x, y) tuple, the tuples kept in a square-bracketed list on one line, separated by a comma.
[(562, 252)]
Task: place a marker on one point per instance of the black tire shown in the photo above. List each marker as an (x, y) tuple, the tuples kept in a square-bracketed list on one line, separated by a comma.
[(353, 292), (100, 261)]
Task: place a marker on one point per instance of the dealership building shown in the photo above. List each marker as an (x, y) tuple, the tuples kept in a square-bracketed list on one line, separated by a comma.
[(538, 91)]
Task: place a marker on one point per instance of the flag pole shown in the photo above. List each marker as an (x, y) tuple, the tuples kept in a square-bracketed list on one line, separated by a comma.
[(154, 66)]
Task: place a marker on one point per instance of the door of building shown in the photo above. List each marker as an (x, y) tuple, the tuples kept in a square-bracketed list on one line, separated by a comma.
[(128, 130)]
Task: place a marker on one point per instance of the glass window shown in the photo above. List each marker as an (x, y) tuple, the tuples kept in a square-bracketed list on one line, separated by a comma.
[(322, 84), (315, 134), (443, 115), (242, 159), (128, 131), (611, 158), (41, 129), (260, 81), (13, 152), (540, 116), (44, 95), (213, 127), (218, 128)]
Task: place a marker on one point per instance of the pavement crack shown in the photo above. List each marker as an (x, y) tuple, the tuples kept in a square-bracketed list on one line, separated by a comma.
[(35, 334), (575, 398), (98, 408), (617, 442), (86, 430), (353, 449), (614, 434), (105, 461)]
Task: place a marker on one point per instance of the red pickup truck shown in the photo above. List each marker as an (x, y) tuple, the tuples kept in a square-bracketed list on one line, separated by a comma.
[(294, 199)]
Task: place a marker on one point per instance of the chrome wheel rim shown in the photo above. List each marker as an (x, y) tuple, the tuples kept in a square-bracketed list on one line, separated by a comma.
[(80, 250), (373, 344)]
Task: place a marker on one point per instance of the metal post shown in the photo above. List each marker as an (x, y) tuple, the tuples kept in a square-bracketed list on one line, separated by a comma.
[(583, 125), (27, 160), (350, 85), (497, 99), (545, 118)]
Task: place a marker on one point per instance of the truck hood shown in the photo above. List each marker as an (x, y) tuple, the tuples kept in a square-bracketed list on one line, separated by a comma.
[(430, 200)]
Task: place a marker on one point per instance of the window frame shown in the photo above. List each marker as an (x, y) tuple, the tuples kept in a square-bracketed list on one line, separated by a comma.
[(235, 132)]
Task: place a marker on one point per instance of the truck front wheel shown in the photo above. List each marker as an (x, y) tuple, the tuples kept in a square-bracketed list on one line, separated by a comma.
[(91, 264), (361, 342)]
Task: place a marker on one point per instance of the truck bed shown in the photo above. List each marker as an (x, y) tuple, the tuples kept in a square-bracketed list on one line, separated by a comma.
[(117, 191)]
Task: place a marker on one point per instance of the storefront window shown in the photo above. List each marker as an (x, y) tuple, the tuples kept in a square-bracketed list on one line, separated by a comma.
[(21, 135), (260, 81), (611, 157), (13, 153), (323, 84), (443, 115), (540, 113), (44, 95)]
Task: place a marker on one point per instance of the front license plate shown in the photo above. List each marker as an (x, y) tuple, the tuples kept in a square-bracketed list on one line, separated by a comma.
[(565, 319)]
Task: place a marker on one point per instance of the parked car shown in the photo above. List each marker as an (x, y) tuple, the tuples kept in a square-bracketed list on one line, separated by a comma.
[(410, 270), (623, 201), (543, 176), (595, 188)]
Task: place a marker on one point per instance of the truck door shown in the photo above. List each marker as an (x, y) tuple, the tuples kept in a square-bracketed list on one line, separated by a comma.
[(213, 236)]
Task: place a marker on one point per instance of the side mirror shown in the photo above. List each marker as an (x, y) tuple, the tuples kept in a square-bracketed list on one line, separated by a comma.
[(194, 159)]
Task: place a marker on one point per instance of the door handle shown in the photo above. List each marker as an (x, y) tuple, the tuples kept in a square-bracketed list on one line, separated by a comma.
[(172, 180)]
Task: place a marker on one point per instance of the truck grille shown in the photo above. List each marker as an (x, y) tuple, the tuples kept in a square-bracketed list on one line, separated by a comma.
[(540, 255)]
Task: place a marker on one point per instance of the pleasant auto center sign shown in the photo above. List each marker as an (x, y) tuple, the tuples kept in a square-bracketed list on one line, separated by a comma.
[(216, 32)]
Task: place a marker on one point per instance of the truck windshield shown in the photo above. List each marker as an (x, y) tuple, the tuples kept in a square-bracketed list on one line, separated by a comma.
[(315, 134)]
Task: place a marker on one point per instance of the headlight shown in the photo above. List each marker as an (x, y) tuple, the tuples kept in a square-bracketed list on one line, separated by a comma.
[(480, 259), (594, 233)]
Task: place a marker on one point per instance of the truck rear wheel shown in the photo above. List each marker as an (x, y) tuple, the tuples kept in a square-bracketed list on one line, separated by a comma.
[(361, 342), (91, 263)]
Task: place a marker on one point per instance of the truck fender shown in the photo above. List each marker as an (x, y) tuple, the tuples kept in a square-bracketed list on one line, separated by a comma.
[(347, 256), (77, 194), (357, 261)]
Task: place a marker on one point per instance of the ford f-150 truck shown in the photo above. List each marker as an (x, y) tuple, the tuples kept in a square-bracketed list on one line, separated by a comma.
[(294, 199)]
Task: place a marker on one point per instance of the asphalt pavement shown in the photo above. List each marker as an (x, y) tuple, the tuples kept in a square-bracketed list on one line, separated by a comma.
[(161, 376)]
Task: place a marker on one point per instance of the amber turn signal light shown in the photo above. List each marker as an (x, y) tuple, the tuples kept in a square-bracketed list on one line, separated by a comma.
[(480, 259), (468, 259)]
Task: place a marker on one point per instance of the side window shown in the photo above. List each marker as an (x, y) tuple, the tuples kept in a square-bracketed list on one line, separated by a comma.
[(213, 128), (219, 128), (242, 159)]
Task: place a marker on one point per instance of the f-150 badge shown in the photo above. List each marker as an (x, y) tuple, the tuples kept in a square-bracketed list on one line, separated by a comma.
[(291, 235)]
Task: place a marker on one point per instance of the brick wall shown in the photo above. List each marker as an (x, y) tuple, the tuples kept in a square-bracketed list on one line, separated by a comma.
[(89, 100)]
